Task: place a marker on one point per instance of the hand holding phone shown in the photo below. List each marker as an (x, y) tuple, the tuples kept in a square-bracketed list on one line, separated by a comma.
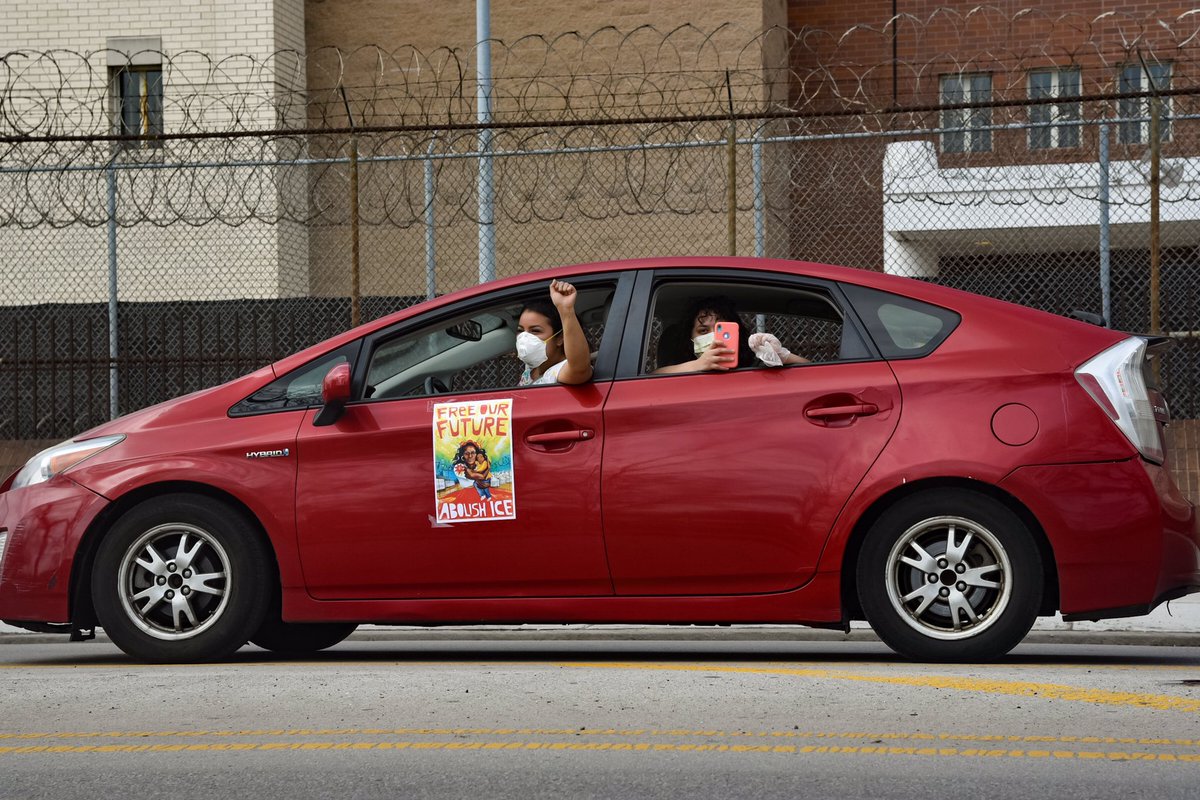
[(725, 334)]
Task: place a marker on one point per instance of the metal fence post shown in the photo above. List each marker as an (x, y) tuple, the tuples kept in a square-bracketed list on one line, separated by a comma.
[(732, 177), (760, 209), (760, 205), (485, 183), (355, 278), (355, 287), (114, 406), (430, 239), (1155, 255), (1105, 240)]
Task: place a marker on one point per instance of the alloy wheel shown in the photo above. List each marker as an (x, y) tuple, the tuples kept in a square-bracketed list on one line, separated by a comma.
[(949, 578), (174, 581)]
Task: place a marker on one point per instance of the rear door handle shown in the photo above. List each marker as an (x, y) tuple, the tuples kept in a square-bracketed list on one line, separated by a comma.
[(559, 437), (856, 410)]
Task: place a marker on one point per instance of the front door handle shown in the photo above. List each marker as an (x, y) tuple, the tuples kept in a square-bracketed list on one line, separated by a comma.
[(855, 410), (561, 437)]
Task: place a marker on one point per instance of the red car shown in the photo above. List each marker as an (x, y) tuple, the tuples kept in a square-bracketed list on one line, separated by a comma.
[(947, 466)]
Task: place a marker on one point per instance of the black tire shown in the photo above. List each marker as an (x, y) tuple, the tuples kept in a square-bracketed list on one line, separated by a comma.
[(181, 578), (933, 594), (298, 638)]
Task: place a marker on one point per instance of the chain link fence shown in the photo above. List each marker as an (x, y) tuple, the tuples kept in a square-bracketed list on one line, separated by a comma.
[(142, 267)]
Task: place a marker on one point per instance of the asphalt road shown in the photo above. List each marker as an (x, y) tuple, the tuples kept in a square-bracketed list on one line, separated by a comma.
[(432, 715)]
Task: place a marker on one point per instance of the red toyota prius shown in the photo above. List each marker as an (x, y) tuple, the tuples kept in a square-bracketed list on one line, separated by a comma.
[(946, 466)]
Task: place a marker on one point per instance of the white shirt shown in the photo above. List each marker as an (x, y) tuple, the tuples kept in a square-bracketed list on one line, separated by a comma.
[(549, 376)]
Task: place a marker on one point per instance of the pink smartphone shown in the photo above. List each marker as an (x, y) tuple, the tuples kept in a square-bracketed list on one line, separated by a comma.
[(726, 334)]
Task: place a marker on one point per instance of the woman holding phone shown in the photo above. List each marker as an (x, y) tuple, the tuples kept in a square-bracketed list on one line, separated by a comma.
[(692, 346)]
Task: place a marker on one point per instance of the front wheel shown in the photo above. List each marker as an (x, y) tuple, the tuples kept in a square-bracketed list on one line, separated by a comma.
[(950, 575), (181, 578)]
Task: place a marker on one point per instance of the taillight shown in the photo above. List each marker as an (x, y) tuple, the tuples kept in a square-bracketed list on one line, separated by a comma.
[(1116, 380)]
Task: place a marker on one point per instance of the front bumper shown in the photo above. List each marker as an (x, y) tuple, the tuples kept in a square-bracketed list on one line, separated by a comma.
[(1124, 538), (45, 524)]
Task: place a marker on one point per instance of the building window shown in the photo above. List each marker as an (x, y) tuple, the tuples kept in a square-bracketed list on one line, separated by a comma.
[(138, 97), (135, 75), (966, 129), (1048, 130), (1135, 111)]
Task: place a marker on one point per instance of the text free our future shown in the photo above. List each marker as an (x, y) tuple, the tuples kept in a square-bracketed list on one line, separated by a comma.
[(484, 419)]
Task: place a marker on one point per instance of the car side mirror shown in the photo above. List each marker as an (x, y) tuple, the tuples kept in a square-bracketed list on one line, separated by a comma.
[(335, 393)]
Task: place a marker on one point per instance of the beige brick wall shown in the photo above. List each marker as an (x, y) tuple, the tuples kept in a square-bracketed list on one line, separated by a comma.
[(546, 213), (215, 50), (263, 259)]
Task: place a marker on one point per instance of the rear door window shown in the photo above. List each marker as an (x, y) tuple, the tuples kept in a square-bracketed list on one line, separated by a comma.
[(805, 321)]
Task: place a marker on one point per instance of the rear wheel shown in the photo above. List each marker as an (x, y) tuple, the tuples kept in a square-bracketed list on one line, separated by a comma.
[(181, 578), (950, 575)]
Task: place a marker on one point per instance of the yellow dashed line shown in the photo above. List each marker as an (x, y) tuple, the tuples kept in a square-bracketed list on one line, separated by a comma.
[(338, 664), (675, 733), (1047, 691), (631, 747)]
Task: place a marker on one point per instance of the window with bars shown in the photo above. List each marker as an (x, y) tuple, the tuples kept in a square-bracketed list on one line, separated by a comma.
[(138, 102), (1053, 124), (966, 129), (1135, 111)]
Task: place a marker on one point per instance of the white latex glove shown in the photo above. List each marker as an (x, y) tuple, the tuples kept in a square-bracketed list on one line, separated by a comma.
[(768, 349)]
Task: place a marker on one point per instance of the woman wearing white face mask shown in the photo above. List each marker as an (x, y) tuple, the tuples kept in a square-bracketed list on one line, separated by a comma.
[(550, 340), (688, 346)]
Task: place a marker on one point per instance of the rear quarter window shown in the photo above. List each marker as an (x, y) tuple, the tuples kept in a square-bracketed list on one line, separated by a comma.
[(901, 326)]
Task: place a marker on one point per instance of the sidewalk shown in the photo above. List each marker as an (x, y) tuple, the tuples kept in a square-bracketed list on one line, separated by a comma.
[(1176, 623)]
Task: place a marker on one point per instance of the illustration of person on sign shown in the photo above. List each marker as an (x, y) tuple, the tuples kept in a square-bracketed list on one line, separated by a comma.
[(471, 460)]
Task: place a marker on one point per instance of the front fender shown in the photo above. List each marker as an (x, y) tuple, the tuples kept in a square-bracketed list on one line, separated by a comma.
[(251, 459)]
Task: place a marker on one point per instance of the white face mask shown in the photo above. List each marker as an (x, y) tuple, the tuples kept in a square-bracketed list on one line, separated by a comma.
[(702, 342), (531, 349)]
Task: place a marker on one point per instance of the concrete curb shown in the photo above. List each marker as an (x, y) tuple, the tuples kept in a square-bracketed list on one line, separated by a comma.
[(1174, 624), (651, 633)]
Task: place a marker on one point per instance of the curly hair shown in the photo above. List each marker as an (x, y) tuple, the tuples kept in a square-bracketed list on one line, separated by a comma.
[(458, 455)]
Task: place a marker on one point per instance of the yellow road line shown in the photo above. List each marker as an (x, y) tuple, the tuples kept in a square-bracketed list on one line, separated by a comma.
[(1045, 691), (634, 747), (341, 663), (627, 733)]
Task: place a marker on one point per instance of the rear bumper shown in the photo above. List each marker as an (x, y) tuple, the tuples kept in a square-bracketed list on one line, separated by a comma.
[(45, 523), (1124, 538)]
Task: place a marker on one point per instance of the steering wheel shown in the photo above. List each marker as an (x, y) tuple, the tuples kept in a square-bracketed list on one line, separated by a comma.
[(435, 385)]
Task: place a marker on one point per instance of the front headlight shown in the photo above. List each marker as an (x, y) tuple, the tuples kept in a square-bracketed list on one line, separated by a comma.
[(48, 463)]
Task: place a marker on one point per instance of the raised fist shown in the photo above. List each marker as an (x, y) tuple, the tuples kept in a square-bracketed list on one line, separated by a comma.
[(563, 295)]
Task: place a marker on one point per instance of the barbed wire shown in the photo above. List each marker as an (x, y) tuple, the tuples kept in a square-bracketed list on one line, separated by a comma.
[(604, 74), (587, 126), (547, 174)]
